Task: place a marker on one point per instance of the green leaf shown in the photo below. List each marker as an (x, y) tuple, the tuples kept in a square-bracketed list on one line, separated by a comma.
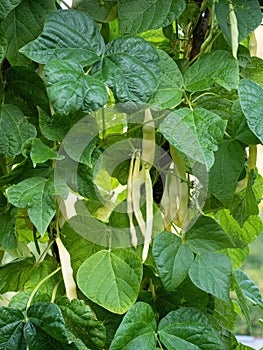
[(224, 174), (36, 194), (48, 317), (196, 133), (3, 44), (7, 6), (251, 99), (130, 68), (111, 279), (23, 24), (70, 89), (14, 130), (189, 329), (206, 235), (169, 93), (137, 329), (253, 70), (14, 274), (248, 16), (67, 35), (11, 329), (244, 203), (224, 314), (212, 273), (26, 84), (8, 238), (138, 16), (38, 151), (80, 320), (249, 289), (173, 259), (216, 67), (104, 14)]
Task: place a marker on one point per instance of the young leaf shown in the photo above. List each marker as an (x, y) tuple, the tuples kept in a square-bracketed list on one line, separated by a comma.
[(137, 329), (251, 99), (212, 273), (23, 24), (138, 16), (36, 194), (38, 151), (173, 259), (188, 328), (11, 329), (207, 236), (169, 93), (69, 34), (249, 289), (80, 320), (70, 89), (196, 133), (216, 67), (130, 68), (248, 16), (224, 174), (111, 279), (14, 130)]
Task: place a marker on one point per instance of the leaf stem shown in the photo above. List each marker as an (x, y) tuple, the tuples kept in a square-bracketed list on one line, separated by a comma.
[(187, 99), (39, 285)]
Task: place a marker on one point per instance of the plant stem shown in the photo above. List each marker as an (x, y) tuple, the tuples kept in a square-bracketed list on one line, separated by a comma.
[(39, 285), (252, 157)]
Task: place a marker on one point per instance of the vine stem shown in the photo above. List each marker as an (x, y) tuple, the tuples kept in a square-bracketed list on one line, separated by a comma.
[(39, 285)]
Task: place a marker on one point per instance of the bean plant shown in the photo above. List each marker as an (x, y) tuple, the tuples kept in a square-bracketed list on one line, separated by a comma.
[(149, 114)]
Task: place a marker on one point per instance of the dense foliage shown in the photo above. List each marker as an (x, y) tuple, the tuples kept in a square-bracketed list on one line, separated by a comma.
[(150, 112)]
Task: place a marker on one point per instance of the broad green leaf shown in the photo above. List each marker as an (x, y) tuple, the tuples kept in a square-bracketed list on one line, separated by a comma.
[(7, 6), (236, 255), (48, 317), (38, 151), (130, 67), (111, 279), (173, 259), (14, 130), (78, 247), (80, 320), (216, 67), (20, 299), (251, 229), (196, 133), (70, 89), (8, 236), (248, 16), (212, 273), (11, 329), (249, 289), (26, 84), (225, 172), (206, 235), (244, 203), (169, 93), (101, 13), (251, 100), (238, 126), (3, 44), (14, 275), (253, 70), (138, 16), (36, 194), (23, 24), (67, 35), (137, 329), (224, 314), (188, 329)]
